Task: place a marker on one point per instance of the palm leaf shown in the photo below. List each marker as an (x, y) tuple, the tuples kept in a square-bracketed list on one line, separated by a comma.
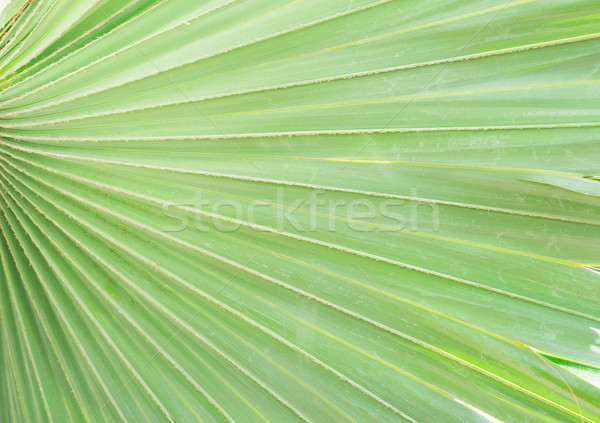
[(268, 210)]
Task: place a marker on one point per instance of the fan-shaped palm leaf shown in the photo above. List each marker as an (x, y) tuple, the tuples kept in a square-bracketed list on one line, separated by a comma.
[(321, 211)]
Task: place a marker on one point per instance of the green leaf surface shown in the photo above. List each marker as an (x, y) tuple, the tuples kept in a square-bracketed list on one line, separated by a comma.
[(318, 211)]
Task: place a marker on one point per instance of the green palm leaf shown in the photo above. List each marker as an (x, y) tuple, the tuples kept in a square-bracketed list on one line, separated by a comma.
[(320, 211)]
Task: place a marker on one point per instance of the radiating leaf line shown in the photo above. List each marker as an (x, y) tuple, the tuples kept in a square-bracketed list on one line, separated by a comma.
[(204, 296), (21, 136), (59, 276), (432, 236), (498, 10), (30, 45), (289, 183), (193, 99), (104, 335), (185, 96), (67, 45), (18, 29), (113, 30), (155, 34), (404, 336), (271, 252), (125, 279), (70, 331), (338, 247), (130, 319), (329, 79), (168, 342)]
